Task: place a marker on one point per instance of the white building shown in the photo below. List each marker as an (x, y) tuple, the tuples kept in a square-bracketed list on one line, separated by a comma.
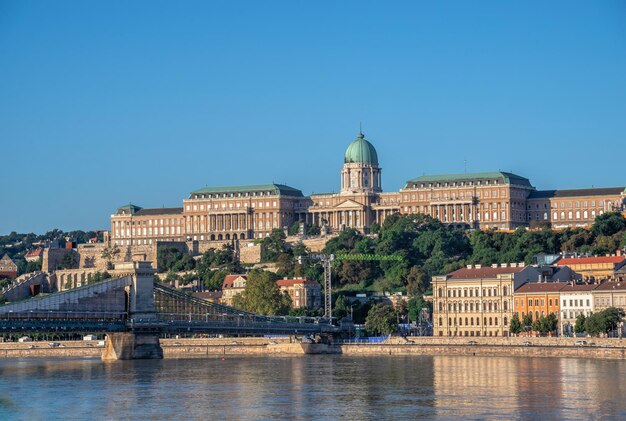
[(575, 300)]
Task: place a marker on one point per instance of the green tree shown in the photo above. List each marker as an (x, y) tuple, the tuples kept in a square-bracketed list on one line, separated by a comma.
[(609, 223), (527, 322), (516, 326), (579, 327), (262, 295), (381, 320), (69, 261), (273, 245), (110, 253), (416, 281)]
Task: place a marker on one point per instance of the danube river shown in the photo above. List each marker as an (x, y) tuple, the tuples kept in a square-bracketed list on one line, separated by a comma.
[(314, 387)]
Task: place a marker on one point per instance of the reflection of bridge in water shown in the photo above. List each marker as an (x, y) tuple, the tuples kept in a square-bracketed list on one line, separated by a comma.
[(134, 306)]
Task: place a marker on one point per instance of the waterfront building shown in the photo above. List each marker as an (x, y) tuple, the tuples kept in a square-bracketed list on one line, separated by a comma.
[(576, 299), (485, 200), (477, 300), (595, 267), (8, 268), (539, 299), (232, 285), (609, 294), (303, 292)]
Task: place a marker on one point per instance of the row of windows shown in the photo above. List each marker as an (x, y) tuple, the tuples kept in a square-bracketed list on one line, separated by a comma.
[(575, 303), (149, 222), (147, 231), (455, 183), (471, 321), (225, 195), (237, 205), (487, 306), (536, 315), (472, 333), (472, 292)]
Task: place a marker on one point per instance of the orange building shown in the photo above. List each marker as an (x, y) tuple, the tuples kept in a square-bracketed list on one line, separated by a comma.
[(538, 299), (232, 285)]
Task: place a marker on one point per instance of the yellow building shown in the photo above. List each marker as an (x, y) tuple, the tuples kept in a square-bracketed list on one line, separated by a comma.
[(477, 300), (232, 285), (303, 292), (596, 267)]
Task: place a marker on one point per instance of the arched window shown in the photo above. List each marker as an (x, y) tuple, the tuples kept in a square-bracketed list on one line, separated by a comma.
[(504, 291), (506, 321), (477, 321), (472, 321), (449, 307), (495, 306), (439, 295), (440, 321), (466, 306), (537, 315), (490, 321), (449, 321), (466, 321), (490, 306), (460, 321), (506, 306), (496, 321), (440, 306), (485, 321)]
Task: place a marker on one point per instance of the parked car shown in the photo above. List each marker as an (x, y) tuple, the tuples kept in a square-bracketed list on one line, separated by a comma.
[(580, 343), (527, 343)]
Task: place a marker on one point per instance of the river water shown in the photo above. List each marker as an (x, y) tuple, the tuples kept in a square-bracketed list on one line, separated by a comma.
[(314, 387)]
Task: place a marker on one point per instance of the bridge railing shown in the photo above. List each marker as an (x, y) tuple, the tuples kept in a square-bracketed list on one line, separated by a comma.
[(65, 315)]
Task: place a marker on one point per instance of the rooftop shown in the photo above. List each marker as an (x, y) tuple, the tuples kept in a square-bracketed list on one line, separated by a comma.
[(539, 287), (484, 272), (600, 191), (229, 279), (611, 286), (291, 282), (506, 177), (578, 287), (277, 189), (159, 211), (590, 260)]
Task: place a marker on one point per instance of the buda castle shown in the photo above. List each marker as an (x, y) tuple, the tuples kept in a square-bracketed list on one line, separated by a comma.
[(488, 200)]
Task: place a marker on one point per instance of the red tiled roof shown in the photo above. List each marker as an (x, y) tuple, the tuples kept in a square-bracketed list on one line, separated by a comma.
[(483, 272), (228, 281), (34, 253), (611, 286), (291, 282), (536, 287), (590, 260)]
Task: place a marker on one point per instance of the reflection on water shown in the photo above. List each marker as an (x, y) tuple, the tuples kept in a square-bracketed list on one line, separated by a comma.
[(314, 387)]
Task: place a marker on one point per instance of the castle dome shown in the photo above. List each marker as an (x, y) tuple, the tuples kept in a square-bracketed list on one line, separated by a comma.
[(361, 151)]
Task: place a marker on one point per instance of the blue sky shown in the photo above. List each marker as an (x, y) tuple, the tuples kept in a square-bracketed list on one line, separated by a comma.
[(102, 103)]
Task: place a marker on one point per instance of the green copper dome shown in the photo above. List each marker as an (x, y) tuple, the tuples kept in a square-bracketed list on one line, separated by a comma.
[(361, 151)]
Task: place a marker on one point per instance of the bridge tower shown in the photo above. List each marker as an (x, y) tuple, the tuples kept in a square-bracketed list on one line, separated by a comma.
[(136, 344)]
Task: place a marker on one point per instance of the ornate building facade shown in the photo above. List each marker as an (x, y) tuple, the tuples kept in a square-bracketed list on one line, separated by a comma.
[(489, 200)]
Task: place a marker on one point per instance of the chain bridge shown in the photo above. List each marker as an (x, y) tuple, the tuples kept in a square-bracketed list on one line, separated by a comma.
[(134, 311)]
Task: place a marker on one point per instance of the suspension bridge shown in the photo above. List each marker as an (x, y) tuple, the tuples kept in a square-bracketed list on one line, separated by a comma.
[(134, 311)]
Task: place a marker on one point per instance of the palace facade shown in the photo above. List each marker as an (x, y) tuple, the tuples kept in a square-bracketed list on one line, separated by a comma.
[(489, 200)]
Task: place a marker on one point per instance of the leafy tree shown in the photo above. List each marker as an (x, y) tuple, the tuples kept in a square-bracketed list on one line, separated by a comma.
[(515, 326), (262, 295), (609, 223), (579, 327), (172, 259), (273, 245), (34, 266), (527, 322), (381, 320), (417, 281), (110, 253), (604, 321), (69, 261)]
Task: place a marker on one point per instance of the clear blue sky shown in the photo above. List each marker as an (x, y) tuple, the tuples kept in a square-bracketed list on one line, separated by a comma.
[(102, 103)]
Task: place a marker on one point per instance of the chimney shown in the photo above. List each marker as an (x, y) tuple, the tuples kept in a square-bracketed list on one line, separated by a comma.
[(477, 266), (521, 264), (505, 265), (469, 266), (495, 265)]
